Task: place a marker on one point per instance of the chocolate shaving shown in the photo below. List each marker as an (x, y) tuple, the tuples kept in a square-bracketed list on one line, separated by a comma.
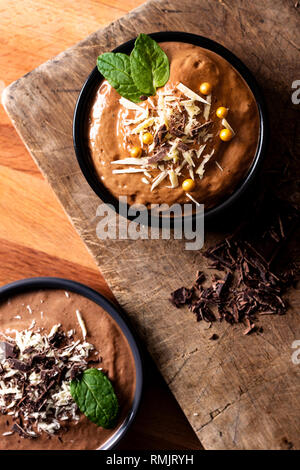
[(160, 155), (182, 146), (177, 124), (250, 327), (198, 127), (17, 428), (75, 371), (48, 374), (29, 350), (42, 360), (160, 135), (37, 404), (202, 311), (199, 279)]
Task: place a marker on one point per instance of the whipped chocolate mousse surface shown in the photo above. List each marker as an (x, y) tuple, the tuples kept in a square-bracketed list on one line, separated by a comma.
[(110, 136), (47, 308)]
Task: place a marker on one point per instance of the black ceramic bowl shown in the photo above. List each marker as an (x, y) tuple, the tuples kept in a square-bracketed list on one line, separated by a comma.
[(46, 283), (93, 82)]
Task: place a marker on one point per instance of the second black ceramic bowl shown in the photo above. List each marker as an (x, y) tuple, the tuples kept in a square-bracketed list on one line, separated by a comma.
[(46, 283), (93, 82)]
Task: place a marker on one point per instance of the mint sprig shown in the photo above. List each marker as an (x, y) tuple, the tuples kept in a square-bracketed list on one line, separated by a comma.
[(115, 67), (95, 397), (149, 65), (139, 74)]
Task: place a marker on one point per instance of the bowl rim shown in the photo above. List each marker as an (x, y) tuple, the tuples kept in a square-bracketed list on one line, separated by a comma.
[(48, 283), (95, 78)]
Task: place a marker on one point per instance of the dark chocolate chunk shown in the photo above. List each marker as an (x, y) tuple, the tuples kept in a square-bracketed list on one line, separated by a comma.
[(202, 311), (19, 365), (57, 338), (9, 350), (181, 296)]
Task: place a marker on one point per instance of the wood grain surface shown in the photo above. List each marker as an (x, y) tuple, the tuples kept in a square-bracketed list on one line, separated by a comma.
[(239, 392), (33, 225)]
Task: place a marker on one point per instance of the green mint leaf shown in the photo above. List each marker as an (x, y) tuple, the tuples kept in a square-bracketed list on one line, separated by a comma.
[(95, 397), (115, 68), (149, 65)]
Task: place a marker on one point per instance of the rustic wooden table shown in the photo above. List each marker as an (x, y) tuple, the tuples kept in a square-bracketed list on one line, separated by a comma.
[(33, 227)]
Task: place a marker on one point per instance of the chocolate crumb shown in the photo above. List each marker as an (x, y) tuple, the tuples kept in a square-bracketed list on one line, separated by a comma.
[(214, 337)]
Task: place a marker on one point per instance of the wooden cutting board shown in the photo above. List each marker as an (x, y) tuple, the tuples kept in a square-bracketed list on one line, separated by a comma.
[(240, 392)]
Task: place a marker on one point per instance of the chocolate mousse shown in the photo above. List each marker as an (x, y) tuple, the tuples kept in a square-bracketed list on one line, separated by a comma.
[(195, 140), (47, 339)]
